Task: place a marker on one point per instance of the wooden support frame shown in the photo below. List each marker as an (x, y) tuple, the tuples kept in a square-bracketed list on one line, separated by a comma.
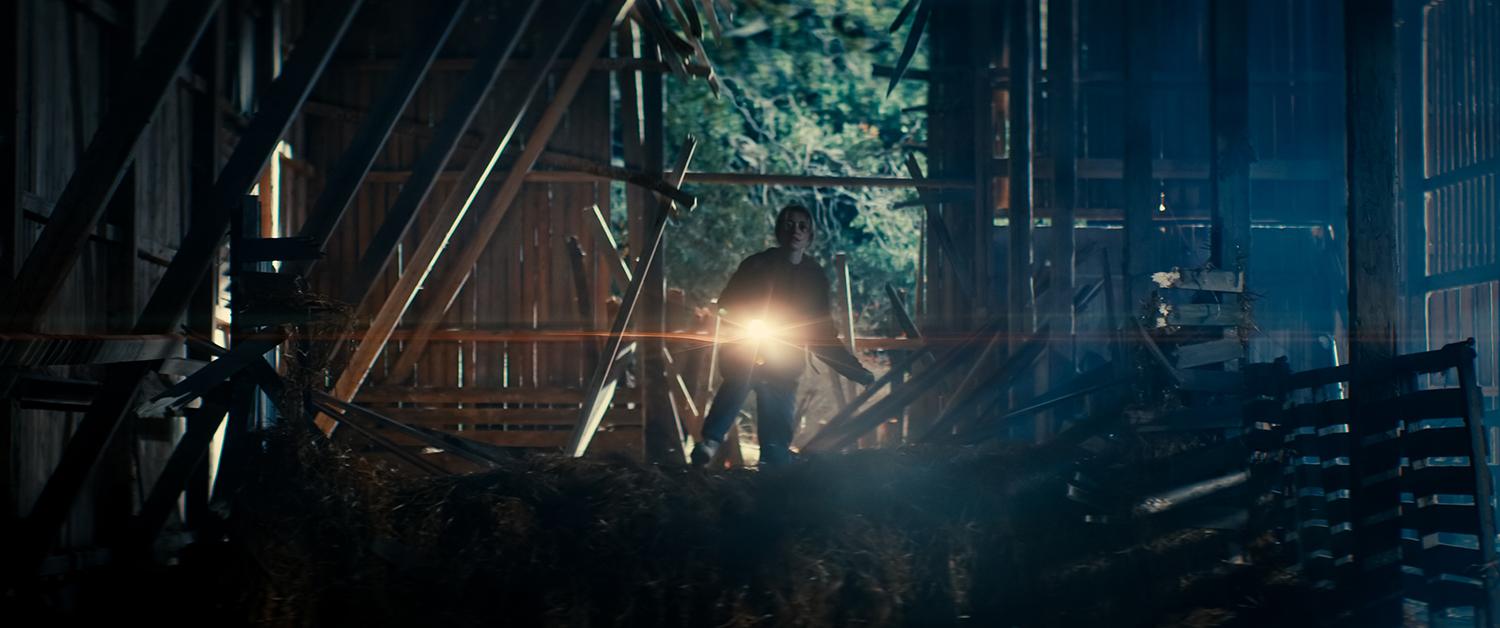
[(442, 292), (106, 160), (601, 386), (1062, 95), (172, 294), (457, 117), (384, 115)]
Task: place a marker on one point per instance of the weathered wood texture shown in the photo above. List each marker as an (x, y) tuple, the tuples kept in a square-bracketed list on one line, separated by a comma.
[(58, 104)]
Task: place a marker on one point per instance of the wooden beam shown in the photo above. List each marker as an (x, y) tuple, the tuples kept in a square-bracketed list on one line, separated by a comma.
[(459, 64), (753, 178), (170, 298), (457, 117), (1020, 299), (641, 179), (664, 436), (105, 161), (1062, 96), (1413, 158), (38, 350), (452, 213), (11, 18), (343, 180), (602, 384), (439, 294), (1229, 114), (1370, 98)]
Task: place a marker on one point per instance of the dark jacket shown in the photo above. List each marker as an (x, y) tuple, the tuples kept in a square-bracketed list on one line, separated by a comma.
[(794, 298)]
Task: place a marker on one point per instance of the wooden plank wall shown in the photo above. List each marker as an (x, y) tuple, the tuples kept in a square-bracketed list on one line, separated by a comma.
[(68, 55), (1458, 245), (523, 283)]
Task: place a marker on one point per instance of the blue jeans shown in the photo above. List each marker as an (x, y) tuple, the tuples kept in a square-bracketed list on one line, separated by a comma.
[(777, 402)]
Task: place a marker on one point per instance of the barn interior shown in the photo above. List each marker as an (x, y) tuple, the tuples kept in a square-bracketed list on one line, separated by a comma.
[(369, 312)]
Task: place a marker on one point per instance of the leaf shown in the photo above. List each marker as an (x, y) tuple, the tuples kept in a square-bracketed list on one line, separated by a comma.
[(919, 23), (905, 13)]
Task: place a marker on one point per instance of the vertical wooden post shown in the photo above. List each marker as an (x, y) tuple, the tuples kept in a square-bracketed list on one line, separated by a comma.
[(1229, 111), (1413, 174), (1369, 54), (1022, 39), (1062, 95), (664, 431), (1140, 195), (985, 20)]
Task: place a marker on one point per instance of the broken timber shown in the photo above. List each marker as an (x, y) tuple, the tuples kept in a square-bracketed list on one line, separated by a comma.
[(601, 388)]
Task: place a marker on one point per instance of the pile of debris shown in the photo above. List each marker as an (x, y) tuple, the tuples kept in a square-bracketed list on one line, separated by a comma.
[(917, 536)]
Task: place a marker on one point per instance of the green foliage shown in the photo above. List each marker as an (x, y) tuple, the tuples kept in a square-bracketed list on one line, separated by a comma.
[(801, 98)]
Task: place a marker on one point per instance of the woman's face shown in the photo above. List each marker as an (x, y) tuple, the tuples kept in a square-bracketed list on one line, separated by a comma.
[(795, 231)]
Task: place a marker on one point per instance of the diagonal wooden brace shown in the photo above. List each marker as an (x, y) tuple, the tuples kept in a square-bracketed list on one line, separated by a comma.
[(601, 387)]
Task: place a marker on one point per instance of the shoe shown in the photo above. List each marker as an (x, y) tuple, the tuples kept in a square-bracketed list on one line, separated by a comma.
[(704, 452)]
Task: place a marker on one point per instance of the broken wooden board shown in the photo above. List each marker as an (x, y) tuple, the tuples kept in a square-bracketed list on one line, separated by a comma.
[(1213, 352), (1199, 315), (1210, 280)]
